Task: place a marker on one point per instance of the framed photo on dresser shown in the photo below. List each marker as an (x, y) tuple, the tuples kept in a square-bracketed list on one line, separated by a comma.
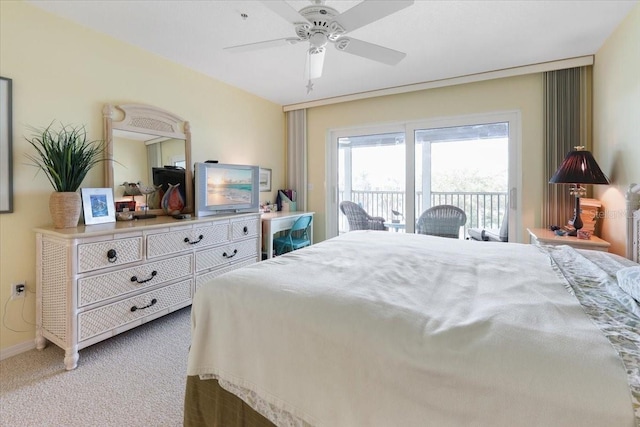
[(98, 206)]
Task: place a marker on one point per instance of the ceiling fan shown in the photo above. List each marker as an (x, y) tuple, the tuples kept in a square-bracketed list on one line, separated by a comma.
[(320, 25)]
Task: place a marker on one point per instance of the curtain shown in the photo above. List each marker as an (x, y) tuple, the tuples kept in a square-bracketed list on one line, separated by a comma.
[(296, 177), (567, 124), (154, 158)]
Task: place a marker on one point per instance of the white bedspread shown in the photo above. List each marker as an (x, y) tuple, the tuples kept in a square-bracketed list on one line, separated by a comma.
[(387, 329)]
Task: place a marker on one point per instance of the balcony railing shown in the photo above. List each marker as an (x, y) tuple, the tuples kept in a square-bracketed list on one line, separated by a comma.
[(483, 209)]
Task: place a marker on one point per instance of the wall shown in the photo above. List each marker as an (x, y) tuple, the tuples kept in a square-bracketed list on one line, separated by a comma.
[(616, 111), (523, 93), (131, 166), (64, 72)]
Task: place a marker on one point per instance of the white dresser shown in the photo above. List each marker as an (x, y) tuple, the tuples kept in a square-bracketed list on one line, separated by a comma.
[(96, 281)]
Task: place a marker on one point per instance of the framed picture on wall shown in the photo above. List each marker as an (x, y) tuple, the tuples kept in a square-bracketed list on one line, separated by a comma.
[(6, 175), (97, 205), (265, 179)]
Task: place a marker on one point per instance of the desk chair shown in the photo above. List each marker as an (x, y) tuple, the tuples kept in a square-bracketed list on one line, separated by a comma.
[(441, 220), (295, 238)]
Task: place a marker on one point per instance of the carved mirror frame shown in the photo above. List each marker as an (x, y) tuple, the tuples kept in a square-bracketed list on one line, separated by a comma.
[(150, 120)]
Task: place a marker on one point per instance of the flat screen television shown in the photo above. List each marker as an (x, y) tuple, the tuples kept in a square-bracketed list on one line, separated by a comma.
[(224, 188)]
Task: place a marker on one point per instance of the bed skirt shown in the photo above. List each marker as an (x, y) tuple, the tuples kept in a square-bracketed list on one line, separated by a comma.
[(209, 405)]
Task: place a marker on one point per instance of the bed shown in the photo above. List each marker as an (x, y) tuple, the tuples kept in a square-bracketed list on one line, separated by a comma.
[(390, 329)]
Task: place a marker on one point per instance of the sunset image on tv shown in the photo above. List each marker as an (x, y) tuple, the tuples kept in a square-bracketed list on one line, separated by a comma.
[(228, 186)]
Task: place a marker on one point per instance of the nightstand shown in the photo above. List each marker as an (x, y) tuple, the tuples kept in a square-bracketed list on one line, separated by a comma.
[(544, 236)]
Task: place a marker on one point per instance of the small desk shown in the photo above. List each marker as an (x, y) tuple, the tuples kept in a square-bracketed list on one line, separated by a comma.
[(544, 236), (274, 222)]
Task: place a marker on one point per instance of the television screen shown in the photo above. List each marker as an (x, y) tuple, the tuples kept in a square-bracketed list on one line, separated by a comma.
[(229, 186), (225, 188)]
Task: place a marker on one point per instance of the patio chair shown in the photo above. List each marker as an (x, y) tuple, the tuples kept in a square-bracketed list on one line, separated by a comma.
[(295, 238), (492, 234), (441, 220), (359, 219)]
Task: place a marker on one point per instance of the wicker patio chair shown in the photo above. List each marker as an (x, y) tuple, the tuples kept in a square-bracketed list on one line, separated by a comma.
[(441, 220), (359, 219)]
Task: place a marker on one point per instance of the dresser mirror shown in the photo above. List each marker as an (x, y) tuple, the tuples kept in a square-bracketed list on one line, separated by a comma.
[(150, 149)]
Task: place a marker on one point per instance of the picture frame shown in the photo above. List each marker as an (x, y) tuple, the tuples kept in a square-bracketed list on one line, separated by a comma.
[(265, 180), (6, 133), (98, 206), (129, 205)]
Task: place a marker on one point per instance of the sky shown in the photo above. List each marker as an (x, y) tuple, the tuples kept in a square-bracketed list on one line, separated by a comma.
[(384, 166)]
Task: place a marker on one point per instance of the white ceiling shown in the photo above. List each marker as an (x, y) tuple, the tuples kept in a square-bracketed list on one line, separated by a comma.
[(442, 39)]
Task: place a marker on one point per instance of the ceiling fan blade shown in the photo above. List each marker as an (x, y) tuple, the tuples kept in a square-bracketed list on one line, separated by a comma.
[(314, 65), (369, 50), (369, 11), (261, 45), (285, 11)]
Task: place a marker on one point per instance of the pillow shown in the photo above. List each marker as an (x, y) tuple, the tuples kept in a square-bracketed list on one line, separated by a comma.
[(629, 281)]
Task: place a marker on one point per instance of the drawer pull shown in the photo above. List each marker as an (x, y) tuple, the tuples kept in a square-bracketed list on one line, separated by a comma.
[(245, 230), (224, 254), (187, 240), (135, 278), (112, 255), (153, 301)]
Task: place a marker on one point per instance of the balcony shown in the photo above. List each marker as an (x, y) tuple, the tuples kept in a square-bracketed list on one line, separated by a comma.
[(483, 209)]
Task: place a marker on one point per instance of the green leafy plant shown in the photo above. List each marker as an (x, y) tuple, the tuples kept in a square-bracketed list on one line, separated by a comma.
[(65, 155)]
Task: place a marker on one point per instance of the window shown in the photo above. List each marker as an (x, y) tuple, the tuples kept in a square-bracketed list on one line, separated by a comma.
[(469, 161)]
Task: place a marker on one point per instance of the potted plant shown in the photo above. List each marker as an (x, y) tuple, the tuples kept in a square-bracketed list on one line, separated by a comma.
[(65, 156)]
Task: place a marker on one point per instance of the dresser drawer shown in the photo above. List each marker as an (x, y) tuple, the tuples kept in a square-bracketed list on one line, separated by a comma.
[(94, 256), (101, 287), (226, 254), (178, 241), (244, 228), (111, 316), (205, 278)]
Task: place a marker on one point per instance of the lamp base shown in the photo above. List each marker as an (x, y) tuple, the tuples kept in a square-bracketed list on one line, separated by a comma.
[(576, 222)]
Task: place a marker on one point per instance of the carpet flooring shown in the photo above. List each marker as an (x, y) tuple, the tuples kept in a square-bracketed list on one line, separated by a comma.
[(134, 379)]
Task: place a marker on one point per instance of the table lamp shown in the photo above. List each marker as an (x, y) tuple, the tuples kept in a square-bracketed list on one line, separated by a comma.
[(578, 167)]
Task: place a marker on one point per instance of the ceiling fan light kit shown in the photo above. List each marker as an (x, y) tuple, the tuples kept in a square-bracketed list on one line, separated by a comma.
[(320, 25)]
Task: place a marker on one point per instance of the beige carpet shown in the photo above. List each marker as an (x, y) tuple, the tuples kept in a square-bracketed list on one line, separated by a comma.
[(133, 379)]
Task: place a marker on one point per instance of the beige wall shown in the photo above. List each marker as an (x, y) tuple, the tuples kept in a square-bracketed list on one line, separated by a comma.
[(64, 72), (616, 123), (130, 167), (523, 94)]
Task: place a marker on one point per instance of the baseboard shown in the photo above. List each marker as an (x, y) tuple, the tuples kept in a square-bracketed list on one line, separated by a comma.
[(17, 349)]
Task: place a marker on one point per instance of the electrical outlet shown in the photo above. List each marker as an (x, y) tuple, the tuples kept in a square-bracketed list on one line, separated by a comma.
[(18, 290)]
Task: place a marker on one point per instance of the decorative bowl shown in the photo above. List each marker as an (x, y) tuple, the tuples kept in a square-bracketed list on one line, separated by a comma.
[(124, 216)]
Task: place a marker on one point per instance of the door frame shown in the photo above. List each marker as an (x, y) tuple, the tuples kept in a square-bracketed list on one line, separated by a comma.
[(513, 117)]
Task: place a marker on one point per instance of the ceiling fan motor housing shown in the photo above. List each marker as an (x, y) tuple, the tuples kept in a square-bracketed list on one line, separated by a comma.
[(321, 19)]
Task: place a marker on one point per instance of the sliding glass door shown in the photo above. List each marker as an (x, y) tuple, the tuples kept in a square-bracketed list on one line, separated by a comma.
[(464, 166), (371, 173), (398, 172)]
